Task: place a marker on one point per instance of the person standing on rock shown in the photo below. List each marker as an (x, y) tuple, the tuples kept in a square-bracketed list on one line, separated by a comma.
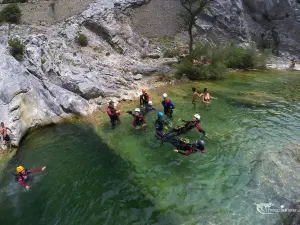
[(168, 106), (144, 98), (113, 114), (5, 136)]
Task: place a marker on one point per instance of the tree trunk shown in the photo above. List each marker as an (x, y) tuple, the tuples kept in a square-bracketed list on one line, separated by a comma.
[(191, 42)]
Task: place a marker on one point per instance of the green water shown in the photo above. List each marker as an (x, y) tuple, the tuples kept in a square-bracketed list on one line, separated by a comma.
[(98, 176)]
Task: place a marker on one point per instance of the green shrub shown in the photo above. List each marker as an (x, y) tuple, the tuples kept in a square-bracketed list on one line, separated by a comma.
[(171, 53), (16, 49), (43, 60), (11, 13), (13, 1), (82, 40)]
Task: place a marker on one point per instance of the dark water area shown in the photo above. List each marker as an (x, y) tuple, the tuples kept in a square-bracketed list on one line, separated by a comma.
[(98, 176)]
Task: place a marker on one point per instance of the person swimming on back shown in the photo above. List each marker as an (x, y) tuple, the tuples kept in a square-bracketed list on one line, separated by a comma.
[(147, 108), (189, 125), (194, 96), (168, 106), (185, 148), (22, 175), (138, 118), (206, 97), (144, 98)]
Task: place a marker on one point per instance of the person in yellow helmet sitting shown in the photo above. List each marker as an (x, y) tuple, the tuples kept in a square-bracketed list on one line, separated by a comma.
[(22, 174)]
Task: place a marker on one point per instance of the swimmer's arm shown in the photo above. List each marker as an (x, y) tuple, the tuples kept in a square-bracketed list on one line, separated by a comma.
[(9, 129), (37, 170)]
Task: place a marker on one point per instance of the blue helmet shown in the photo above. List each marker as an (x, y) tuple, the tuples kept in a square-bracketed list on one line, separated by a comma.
[(200, 143), (160, 115)]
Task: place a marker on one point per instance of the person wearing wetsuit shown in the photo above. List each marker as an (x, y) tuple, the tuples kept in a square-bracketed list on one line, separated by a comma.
[(185, 148), (168, 106), (147, 108), (5, 136), (113, 114), (22, 175), (160, 124), (144, 98), (138, 118), (188, 126)]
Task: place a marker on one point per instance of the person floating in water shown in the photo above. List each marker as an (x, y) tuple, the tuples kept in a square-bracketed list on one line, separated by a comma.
[(22, 175), (147, 108), (185, 148), (160, 125), (113, 114), (189, 125), (206, 97), (168, 106), (138, 118), (194, 96), (5, 136), (144, 98)]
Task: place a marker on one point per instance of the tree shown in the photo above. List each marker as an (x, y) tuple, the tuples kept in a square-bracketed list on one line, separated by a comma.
[(193, 8)]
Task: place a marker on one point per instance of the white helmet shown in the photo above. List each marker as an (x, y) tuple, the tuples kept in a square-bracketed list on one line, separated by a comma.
[(137, 110), (150, 103), (165, 95), (197, 116)]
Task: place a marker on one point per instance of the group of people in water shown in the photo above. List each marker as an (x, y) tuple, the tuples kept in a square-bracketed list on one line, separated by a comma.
[(164, 131)]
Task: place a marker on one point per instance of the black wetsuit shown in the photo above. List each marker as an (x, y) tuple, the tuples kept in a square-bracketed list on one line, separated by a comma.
[(187, 148)]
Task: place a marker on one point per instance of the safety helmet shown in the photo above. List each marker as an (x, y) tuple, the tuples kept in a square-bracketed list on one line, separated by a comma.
[(160, 115), (144, 90), (19, 169), (150, 103), (165, 95), (200, 142), (197, 116), (137, 110)]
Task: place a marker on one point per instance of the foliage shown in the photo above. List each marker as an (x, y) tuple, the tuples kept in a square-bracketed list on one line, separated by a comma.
[(16, 49), (213, 61), (172, 52), (82, 40), (11, 13)]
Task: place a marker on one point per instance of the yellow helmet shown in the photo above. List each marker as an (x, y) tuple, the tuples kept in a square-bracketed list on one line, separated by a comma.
[(19, 169)]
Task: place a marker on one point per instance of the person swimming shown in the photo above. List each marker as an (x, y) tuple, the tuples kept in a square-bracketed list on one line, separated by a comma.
[(147, 108), (189, 125), (185, 148), (194, 96), (160, 125), (23, 175), (206, 97)]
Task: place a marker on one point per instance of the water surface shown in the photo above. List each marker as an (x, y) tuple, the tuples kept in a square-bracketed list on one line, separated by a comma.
[(98, 176)]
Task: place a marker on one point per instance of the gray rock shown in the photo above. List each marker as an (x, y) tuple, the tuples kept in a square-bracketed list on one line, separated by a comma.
[(138, 77)]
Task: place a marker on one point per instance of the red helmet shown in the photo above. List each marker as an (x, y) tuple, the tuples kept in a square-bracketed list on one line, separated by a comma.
[(144, 90)]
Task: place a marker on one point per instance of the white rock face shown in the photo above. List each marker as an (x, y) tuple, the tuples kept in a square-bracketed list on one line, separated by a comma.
[(58, 78)]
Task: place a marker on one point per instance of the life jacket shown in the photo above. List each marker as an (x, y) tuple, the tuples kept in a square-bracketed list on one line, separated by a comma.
[(138, 120), (24, 177), (111, 111), (145, 98), (191, 124)]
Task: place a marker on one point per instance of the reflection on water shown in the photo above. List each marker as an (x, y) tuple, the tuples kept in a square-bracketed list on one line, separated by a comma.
[(126, 177)]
